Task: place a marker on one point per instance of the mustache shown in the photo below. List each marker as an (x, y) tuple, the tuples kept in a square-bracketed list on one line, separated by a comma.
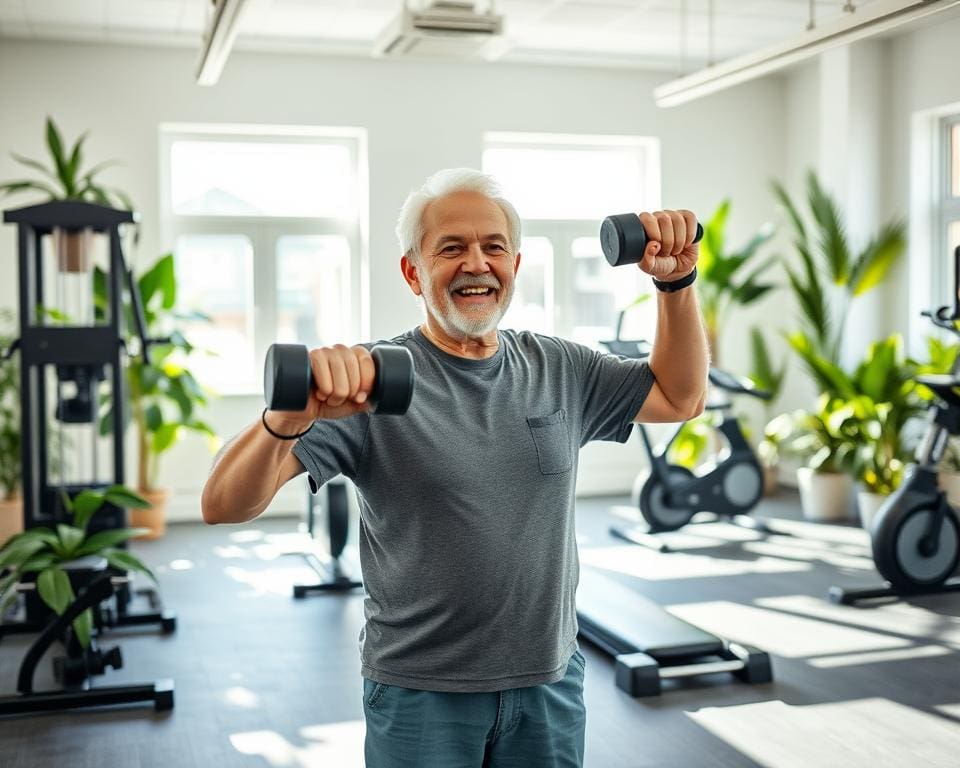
[(484, 281)]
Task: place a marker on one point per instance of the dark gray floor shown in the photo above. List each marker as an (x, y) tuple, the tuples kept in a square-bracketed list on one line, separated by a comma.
[(263, 680)]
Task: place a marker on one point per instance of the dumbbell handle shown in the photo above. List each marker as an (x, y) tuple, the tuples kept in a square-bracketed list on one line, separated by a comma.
[(288, 378), (624, 240)]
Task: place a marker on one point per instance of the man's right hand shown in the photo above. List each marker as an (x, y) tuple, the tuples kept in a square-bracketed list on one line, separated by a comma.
[(342, 381)]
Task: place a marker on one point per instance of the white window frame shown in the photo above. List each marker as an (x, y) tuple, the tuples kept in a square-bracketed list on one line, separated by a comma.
[(948, 206), (563, 232), (264, 231)]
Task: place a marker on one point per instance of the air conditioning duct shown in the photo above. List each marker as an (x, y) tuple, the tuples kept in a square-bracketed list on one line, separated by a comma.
[(453, 29)]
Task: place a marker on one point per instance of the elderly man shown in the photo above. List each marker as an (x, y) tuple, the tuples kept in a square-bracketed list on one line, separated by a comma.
[(467, 542)]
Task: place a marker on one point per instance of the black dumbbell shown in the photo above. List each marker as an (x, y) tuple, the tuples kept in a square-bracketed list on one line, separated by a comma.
[(623, 239), (288, 378)]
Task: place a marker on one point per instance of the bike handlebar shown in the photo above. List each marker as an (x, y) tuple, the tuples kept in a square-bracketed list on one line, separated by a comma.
[(947, 317)]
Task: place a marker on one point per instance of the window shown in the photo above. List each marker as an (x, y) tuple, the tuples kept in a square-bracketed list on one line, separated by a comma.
[(266, 227), (947, 237), (563, 187)]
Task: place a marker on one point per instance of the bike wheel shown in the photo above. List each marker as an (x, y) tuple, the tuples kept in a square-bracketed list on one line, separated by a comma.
[(659, 515), (897, 552)]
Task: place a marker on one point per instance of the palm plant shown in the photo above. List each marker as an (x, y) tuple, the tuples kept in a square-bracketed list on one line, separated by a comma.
[(66, 179), (45, 551), (830, 276), (719, 283)]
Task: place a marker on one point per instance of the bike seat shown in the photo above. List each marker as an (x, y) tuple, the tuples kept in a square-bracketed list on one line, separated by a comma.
[(946, 387), (735, 384), (638, 348)]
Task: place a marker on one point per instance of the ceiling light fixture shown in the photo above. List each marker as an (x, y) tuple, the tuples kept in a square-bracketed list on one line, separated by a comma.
[(867, 21), (218, 39)]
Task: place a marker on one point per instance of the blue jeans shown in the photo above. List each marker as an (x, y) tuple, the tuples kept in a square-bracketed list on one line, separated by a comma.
[(537, 727)]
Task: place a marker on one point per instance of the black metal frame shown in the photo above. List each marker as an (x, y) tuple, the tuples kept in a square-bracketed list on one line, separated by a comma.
[(334, 575), (27, 700)]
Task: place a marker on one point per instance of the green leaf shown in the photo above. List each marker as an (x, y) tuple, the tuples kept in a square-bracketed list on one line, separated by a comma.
[(73, 164), (153, 416), (70, 539), (83, 627), (124, 561), (107, 539), (16, 552), (878, 258), (781, 194), (55, 145), (164, 438), (34, 164), (711, 245), (85, 505), (53, 586), (8, 188), (160, 277), (830, 377), (126, 498), (832, 235)]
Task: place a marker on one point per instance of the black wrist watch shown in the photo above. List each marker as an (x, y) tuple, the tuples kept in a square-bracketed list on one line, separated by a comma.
[(671, 286)]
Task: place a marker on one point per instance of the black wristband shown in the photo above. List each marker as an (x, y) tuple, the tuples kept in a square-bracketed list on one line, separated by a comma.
[(263, 418), (675, 285)]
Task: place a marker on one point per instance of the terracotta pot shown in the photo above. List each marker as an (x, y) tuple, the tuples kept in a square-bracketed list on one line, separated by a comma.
[(154, 518), (73, 249), (824, 497), (11, 518)]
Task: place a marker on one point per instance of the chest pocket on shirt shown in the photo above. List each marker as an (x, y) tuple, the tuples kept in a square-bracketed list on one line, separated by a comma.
[(552, 439)]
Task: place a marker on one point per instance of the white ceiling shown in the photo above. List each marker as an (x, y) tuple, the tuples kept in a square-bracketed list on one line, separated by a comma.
[(665, 34)]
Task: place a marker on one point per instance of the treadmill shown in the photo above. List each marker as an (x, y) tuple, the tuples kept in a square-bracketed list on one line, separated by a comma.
[(650, 645)]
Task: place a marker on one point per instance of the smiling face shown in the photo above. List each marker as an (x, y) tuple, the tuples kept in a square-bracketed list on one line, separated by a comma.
[(466, 268)]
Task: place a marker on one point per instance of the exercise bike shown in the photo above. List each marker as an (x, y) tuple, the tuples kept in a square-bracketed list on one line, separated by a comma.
[(669, 495), (916, 535)]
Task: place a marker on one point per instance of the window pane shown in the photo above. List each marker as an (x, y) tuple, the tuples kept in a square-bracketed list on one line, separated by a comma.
[(313, 290), (953, 239), (569, 183), (532, 306), (223, 178), (955, 160), (600, 293), (215, 276)]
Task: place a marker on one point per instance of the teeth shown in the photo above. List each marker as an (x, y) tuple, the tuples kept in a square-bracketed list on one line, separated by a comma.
[(472, 291)]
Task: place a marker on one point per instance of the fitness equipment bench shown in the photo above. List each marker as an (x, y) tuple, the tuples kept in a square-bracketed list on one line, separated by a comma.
[(650, 645)]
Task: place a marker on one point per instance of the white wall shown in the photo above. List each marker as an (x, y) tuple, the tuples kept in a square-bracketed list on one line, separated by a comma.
[(420, 117)]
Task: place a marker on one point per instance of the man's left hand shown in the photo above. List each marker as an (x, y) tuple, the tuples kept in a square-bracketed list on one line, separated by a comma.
[(670, 253)]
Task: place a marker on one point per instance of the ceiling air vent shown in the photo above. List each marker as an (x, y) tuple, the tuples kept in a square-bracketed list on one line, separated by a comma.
[(442, 29)]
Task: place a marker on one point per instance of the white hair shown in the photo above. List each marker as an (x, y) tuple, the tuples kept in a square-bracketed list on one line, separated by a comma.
[(441, 184)]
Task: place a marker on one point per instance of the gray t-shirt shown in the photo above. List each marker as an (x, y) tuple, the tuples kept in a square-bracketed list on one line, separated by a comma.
[(467, 539)]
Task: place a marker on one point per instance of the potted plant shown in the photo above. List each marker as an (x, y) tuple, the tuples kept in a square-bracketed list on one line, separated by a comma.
[(11, 505), (719, 283), (824, 441), (51, 553), (164, 397), (66, 179)]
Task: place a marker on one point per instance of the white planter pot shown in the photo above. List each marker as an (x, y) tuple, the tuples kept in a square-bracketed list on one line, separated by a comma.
[(824, 497), (950, 484), (868, 504)]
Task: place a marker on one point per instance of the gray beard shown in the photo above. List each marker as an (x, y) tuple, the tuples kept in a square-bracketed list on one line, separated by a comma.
[(464, 325)]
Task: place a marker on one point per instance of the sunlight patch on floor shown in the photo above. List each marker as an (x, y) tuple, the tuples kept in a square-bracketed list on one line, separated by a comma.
[(779, 633), (879, 657), (329, 744), (274, 581), (896, 618), (784, 549), (241, 697), (653, 566), (862, 732)]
